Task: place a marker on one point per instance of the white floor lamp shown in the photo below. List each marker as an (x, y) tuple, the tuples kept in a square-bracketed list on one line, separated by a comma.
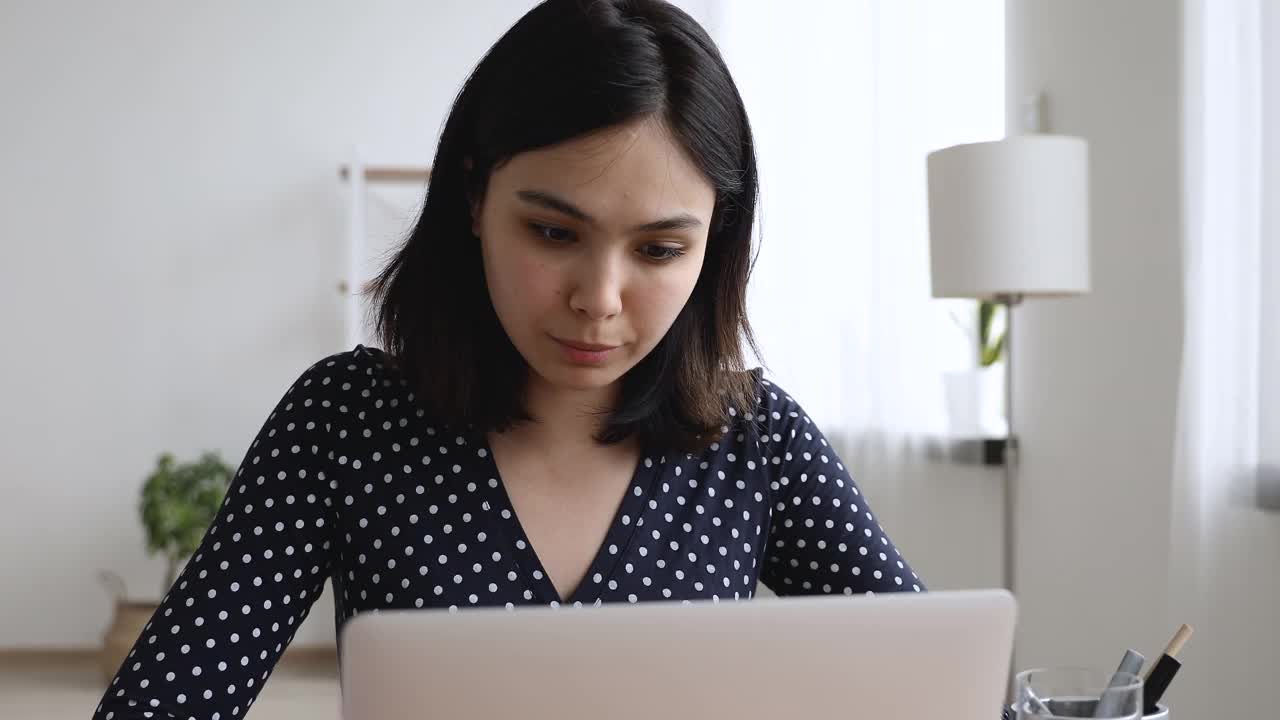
[(1009, 220)]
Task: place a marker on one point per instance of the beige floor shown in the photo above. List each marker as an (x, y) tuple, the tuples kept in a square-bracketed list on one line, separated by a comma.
[(69, 689)]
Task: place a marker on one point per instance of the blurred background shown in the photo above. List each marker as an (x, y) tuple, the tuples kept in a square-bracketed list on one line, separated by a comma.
[(189, 192)]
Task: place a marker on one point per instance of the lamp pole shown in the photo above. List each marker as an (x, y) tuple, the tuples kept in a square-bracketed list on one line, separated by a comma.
[(1009, 300), (1010, 459)]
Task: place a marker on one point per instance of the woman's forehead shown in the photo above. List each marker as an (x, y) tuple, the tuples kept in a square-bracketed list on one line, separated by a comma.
[(614, 174)]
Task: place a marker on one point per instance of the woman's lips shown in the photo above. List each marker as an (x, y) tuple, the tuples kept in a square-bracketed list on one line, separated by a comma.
[(585, 353)]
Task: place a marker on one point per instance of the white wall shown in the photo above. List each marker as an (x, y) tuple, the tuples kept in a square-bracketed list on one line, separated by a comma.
[(172, 226)]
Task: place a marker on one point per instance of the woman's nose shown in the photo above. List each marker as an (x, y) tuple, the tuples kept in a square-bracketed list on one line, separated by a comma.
[(597, 287)]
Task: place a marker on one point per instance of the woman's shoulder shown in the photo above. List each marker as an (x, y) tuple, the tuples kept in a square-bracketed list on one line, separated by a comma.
[(360, 368), (361, 360), (778, 416), (772, 402), (355, 378), (758, 433), (771, 409)]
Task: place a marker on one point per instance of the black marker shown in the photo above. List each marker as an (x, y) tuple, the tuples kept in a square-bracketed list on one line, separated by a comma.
[(1161, 674)]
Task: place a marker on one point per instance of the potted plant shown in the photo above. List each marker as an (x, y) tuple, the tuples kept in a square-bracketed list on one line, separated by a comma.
[(975, 397), (177, 505)]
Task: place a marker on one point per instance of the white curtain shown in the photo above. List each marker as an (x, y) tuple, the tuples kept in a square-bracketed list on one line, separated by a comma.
[(1225, 568), (846, 99)]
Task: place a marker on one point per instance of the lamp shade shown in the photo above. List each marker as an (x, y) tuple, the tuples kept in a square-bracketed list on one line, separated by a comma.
[(1010, 217)]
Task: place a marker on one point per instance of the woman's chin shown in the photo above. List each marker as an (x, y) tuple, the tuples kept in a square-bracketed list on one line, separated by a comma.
[(569, 376)]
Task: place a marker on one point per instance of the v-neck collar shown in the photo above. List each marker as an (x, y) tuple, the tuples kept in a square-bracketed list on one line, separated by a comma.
[(616, 542)]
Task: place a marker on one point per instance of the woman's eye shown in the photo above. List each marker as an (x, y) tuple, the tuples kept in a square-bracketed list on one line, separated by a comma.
[(662, 252), (551, 233)]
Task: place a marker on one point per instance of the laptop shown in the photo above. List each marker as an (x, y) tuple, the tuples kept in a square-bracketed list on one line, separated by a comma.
[(899, 656)]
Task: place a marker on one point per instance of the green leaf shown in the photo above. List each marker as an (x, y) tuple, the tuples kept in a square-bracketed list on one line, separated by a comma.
[(991, 355), (986, 313), (989, 351)]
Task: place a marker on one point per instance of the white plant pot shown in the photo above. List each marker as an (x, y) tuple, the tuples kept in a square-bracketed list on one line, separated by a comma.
[(975, 402)]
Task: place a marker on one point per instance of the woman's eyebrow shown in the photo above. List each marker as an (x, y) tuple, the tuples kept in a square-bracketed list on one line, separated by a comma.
[(550, 201)]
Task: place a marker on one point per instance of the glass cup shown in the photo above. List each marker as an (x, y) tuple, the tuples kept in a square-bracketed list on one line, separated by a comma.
[(1051, 693)]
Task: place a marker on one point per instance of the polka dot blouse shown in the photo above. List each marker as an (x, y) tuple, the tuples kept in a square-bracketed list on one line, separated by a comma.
[(349, 481)]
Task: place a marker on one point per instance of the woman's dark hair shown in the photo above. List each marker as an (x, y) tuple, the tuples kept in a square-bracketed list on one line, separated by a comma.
[(566, 69)]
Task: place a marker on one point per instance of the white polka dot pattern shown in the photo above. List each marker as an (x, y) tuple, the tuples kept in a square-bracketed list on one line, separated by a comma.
[(351, 480)]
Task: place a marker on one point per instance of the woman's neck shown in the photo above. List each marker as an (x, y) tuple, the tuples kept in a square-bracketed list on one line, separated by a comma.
[(567, 420)]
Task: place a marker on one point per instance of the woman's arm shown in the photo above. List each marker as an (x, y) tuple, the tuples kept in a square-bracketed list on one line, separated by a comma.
[(823, 536), (236, 605)]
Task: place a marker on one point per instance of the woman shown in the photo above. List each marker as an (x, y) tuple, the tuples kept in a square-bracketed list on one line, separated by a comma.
[(562, 414)]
